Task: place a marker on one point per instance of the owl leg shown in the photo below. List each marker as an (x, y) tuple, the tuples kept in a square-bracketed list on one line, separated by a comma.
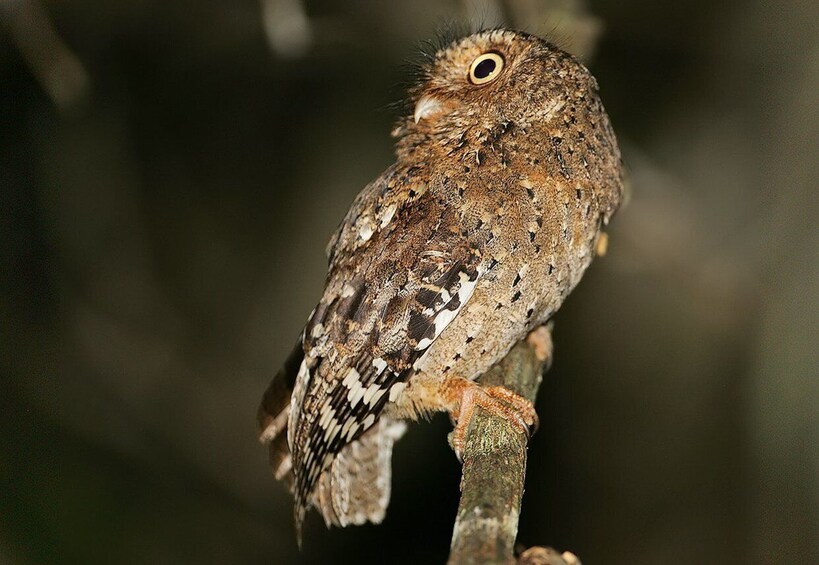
[(459, 397)]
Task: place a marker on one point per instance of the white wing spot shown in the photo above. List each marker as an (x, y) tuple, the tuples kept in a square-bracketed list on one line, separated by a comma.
[(371, 390), (445, 316), (352, 377), (443, 319), (379, 365), (423, 344), (356, 393), (331, 430), (327, 414), (387, 215), (396, 390), (377, 396), (365, 232), (350, 428)]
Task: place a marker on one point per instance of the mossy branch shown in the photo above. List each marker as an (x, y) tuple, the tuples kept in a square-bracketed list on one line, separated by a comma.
[(494, 464)]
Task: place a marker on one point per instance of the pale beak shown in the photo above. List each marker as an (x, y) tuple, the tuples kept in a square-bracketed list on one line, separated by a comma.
[(426, 107)]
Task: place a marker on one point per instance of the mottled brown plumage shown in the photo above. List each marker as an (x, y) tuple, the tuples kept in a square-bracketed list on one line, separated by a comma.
[(504, 176)]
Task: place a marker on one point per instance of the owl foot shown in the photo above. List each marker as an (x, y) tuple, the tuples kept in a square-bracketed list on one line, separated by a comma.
[(499, 401)]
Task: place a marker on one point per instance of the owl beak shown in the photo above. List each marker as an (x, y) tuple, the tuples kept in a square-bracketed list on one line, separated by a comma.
[(425, 107)]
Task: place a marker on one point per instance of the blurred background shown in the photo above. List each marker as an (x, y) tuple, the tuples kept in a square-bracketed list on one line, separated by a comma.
[(170, 171)]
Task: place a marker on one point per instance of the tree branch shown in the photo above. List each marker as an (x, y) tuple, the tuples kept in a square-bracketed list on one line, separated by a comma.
[(52, 62), (494, 462)]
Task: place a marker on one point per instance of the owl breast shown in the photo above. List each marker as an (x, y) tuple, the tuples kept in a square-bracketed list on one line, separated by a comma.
[(539, 233)]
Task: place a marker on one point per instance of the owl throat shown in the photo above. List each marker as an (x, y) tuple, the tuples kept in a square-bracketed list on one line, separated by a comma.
[(462, 144)]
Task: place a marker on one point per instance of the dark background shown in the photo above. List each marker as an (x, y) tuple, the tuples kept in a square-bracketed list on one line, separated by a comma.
[(170, 172)]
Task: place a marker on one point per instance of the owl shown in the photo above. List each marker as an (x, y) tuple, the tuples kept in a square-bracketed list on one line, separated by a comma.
[(506, 171)]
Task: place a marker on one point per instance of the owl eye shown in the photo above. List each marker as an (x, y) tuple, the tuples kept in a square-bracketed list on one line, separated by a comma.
[(485, 68)]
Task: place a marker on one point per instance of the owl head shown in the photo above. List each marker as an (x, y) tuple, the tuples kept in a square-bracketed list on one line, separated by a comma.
[(489, 80)]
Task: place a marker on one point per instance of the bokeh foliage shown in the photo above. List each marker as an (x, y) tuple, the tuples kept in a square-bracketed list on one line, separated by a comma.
[(170, 172)]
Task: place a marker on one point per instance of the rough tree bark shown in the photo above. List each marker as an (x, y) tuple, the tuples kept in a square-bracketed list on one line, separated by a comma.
[(494, 467)]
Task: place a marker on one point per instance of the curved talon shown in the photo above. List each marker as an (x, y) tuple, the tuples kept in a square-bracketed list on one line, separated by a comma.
[(521, 404)]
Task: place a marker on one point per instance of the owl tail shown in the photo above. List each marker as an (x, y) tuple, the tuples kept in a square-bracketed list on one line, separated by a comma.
[(355, 489)]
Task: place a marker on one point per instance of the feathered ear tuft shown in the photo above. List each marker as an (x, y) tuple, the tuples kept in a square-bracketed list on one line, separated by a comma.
[(446, 34), (449, 32)]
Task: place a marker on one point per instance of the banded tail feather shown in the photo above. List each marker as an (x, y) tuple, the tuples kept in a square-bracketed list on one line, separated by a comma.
[(355, 489)]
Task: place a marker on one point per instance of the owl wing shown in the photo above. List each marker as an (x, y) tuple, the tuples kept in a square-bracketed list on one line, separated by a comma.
[(373, 210), (390, 294)]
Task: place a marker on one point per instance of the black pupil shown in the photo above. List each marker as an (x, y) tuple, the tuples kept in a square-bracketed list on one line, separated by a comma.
[(485, 68)]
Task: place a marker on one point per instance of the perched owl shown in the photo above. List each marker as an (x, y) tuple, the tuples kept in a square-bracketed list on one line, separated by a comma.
[(505, 173)]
